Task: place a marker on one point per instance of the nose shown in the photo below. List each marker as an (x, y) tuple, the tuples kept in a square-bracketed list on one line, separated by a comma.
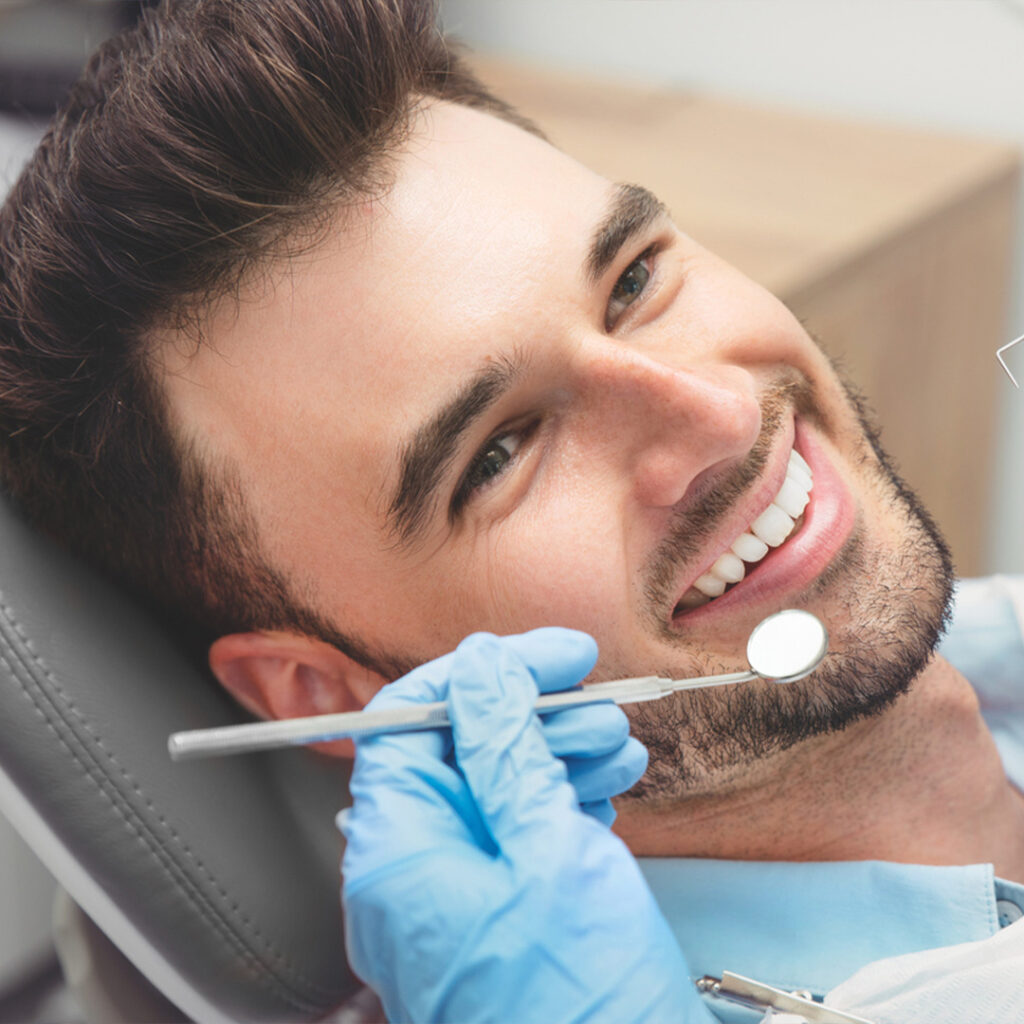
[(668, 421)]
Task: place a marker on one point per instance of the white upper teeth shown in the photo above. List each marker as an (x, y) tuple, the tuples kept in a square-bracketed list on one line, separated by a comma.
[(749, 548), (768, 530)]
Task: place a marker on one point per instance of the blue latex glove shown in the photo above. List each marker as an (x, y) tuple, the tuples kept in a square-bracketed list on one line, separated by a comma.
[(593, 741), (480, 892)]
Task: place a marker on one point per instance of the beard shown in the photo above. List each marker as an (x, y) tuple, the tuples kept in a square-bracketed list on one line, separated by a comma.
[(894, 606)]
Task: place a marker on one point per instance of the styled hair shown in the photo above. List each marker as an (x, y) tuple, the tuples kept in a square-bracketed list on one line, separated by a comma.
[(210, 139)]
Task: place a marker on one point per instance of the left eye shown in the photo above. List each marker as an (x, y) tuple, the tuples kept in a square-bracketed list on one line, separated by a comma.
[(490, 462), (627, 289), (493, 460)]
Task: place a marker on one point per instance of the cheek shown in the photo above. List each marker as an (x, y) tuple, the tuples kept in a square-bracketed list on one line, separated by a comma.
[(563, 565)]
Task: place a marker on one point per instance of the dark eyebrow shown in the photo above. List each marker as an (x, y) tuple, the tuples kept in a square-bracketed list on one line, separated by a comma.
[(632, 210), (424, 458)]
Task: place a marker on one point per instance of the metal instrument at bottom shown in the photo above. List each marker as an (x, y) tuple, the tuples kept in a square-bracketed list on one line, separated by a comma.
[(755, 995)]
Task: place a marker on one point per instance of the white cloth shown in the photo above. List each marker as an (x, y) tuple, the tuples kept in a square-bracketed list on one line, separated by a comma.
[(973, 983)]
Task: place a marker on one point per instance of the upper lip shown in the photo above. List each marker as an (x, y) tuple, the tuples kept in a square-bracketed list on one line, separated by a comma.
[(744, 512)]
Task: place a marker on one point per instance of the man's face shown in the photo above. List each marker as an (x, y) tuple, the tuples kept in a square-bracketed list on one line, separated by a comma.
[(509, 394)]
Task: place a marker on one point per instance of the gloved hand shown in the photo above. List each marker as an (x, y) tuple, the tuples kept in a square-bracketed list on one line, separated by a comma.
[(592, 740), (474, 888)]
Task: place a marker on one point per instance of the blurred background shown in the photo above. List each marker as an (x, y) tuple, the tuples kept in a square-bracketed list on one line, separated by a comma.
[(859, 157)]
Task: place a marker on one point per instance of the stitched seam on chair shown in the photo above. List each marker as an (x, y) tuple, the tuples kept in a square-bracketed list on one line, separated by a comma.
[(143, 832), (256, 968)]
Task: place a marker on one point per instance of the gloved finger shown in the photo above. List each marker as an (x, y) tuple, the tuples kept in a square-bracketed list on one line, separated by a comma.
[(500, 746), (590, 730), (399, 776), (557, 658), (600, 810), (598, 778), (426, 684), (406, 797)]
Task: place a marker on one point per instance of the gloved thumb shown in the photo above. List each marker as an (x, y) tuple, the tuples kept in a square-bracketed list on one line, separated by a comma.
[(556, 657), (516, 781)]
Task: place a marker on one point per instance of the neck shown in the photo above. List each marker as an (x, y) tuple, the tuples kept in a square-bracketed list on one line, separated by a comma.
[(922, 783)]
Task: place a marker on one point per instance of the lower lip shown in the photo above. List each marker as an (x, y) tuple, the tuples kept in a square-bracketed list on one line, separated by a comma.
[(794, 565)]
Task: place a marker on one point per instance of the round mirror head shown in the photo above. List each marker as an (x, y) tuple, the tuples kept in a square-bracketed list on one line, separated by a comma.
[(787, 646)]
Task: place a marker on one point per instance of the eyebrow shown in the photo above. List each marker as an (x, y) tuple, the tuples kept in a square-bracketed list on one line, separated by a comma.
[(632, 210), (426, 456)]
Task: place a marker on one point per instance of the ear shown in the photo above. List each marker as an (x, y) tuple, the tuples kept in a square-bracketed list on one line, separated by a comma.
[(285, 675)]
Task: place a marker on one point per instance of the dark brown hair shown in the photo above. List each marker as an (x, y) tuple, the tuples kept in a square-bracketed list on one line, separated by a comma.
[(210, 139)]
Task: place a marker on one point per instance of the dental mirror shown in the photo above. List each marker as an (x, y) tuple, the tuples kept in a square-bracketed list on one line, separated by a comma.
[(787, 646), (782, 648)]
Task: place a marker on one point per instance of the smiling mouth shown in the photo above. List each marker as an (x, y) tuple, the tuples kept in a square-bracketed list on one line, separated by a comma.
[(769, 530)]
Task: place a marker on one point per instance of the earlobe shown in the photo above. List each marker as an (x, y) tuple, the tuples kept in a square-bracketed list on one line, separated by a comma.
[(285, 675)]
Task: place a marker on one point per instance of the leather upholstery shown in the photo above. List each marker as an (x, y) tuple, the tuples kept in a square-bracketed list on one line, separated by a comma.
[(228, 867)]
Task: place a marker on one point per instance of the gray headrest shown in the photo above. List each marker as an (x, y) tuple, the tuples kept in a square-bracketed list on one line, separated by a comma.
[(218, 878)]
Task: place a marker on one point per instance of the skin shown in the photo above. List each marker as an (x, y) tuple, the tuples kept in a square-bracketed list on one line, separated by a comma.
[(624, 415)]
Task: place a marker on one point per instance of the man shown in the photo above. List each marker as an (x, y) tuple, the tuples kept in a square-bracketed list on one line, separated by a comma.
[(310, 341)]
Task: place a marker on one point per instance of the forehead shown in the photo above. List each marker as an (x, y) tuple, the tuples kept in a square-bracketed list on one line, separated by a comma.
[(473, 252)]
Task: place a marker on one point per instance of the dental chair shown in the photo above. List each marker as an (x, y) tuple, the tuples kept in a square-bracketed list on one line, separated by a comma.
[(218, 880)]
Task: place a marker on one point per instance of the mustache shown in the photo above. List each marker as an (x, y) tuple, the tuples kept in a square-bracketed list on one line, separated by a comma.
[(690, 528)]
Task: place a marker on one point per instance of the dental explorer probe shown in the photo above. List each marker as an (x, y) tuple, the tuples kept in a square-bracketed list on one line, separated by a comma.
[(782, 648)]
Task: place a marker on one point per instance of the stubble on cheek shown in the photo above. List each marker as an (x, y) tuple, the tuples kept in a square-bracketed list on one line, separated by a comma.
[(886, 605)]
